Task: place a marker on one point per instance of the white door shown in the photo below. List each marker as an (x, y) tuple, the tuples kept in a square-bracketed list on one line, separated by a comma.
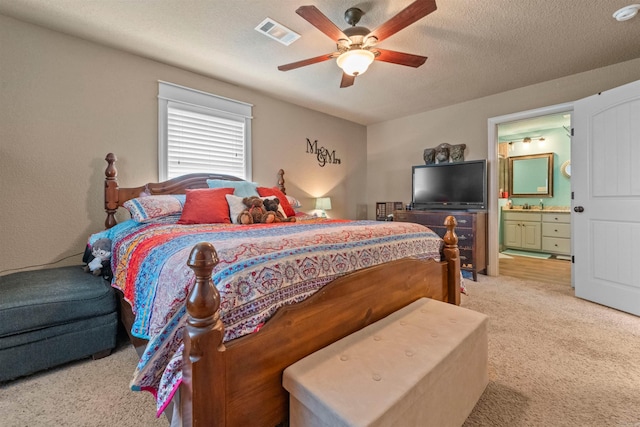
[(605, 179)]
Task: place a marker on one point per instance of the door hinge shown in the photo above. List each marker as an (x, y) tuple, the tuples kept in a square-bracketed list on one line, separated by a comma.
[(573, 259), (571, 131), (572, 195)]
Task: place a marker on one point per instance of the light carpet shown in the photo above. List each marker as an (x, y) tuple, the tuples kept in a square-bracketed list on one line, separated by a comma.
[(87, 393), (554, 360)]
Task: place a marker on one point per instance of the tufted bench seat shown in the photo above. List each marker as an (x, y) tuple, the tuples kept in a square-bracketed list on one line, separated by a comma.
[(53, 316), (424, 365)]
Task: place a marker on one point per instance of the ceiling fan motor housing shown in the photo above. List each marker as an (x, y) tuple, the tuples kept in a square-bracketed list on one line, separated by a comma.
[(356, 39), (353, 16), (356, 32)]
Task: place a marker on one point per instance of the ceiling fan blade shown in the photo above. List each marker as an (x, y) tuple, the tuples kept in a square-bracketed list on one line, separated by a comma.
[(347, 80), (400, 58), (412, 13), (305, 62), (321, 22)]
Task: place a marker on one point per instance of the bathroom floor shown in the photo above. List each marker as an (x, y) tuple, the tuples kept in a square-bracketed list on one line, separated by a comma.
[(543, 270)]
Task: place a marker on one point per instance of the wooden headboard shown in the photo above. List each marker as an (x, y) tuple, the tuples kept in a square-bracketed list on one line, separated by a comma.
[(115, 196)]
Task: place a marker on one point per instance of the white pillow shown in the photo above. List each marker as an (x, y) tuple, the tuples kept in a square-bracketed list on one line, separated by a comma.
[(235, 207)]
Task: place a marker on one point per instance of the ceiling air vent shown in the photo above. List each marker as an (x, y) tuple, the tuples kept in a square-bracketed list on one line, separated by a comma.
[(276, 31)]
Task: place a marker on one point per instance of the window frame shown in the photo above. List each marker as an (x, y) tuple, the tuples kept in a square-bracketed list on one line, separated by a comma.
[(205, 103)]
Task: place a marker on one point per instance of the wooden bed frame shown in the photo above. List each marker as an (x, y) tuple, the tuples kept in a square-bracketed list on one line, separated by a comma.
[(239, 383)]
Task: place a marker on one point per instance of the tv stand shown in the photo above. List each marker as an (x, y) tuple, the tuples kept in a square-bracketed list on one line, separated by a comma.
[(471, 231)]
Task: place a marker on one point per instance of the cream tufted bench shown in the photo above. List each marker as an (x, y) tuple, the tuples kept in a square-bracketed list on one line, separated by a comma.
[(424, 365)]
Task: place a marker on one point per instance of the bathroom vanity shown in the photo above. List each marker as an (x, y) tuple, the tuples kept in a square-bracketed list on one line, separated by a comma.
[(544, 230)]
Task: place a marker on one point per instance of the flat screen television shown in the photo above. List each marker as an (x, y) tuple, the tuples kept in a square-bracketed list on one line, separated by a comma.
[(459, 186)]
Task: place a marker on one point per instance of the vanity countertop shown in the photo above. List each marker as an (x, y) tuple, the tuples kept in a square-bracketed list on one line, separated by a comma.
[(550, 209)]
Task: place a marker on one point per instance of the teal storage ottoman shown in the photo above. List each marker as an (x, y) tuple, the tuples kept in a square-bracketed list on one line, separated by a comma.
[(54, 316)]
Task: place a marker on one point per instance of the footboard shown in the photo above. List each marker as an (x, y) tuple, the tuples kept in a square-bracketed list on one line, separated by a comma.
[(240, 383)]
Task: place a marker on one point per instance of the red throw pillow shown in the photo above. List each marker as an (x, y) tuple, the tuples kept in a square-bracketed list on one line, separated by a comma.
[(274, 191), (206, 206)]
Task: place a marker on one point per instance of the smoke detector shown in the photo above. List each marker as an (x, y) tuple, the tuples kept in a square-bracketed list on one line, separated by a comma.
[(626, 12)]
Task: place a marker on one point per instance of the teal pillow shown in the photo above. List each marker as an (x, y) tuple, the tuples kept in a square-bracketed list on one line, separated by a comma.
[(240, 188)]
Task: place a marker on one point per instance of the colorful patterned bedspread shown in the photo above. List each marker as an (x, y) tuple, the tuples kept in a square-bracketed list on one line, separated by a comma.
[(262, 267)]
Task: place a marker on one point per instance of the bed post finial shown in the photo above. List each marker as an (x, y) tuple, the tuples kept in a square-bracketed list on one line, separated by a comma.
[(110, 190), (281, 181), (452, 256), (203, 303), (205, 332)]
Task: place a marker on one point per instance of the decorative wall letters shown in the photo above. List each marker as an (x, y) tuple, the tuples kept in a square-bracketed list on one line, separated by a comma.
[(323, 155)]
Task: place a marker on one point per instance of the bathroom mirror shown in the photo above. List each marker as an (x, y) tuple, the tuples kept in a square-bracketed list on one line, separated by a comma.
[(565, 168), (531, 176)]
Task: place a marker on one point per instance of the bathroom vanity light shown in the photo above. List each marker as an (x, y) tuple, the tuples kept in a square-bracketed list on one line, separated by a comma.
[(527, 140)]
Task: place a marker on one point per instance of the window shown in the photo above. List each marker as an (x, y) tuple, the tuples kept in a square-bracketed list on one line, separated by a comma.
[(201, 132)]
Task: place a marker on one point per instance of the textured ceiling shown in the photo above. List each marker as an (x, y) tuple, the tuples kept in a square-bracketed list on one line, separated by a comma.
[(533, 126), (475, 47)]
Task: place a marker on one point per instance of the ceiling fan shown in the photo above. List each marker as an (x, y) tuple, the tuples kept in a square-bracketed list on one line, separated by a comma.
[(357, 45)]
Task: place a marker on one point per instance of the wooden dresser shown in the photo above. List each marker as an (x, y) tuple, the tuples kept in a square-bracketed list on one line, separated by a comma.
[(471, 231)]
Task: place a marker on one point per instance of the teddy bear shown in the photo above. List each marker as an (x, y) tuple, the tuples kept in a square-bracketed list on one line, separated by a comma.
[(272, 205), (98, 258), (255, 212)]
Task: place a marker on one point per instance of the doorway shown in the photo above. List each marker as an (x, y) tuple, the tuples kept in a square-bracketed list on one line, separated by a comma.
[(517, 128), (552, 271)]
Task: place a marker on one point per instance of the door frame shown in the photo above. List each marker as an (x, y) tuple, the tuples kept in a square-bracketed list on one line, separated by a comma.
[(493, 244)]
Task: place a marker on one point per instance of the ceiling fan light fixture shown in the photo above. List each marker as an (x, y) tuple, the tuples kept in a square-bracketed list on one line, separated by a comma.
[(355, 62)]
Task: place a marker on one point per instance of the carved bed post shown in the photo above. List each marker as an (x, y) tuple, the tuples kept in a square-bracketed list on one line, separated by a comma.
[(110, 190), (452, 256), (281, 181), (204, 398)]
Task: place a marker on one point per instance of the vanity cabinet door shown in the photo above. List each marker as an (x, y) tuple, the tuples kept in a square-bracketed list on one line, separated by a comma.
[(522, 235), (512, 234), (531, 235)]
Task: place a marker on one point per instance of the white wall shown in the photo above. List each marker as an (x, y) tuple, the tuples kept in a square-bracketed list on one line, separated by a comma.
[(395, 145), (68, 102)]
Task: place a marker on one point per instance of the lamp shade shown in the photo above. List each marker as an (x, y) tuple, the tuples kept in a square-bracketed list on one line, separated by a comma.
[(355, 62), (323, 203)]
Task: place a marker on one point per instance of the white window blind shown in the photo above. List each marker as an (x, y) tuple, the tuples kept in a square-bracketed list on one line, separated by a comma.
[(203, 143), (201, 132)]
